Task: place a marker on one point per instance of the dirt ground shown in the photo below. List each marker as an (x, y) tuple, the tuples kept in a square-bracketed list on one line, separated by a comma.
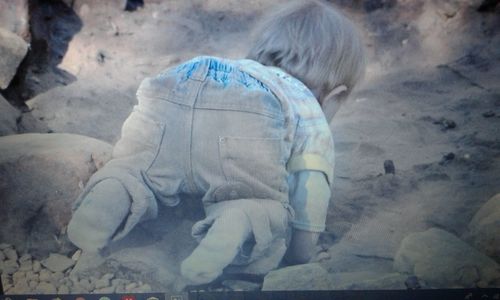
[(429, 105)]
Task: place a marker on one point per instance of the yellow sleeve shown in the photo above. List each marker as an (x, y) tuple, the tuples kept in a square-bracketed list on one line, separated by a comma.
[(309, 196), (311, 162)]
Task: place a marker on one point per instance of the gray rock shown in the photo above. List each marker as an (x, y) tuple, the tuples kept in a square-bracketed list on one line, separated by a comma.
[(21, 287), (63, 289), (444, 261), (12, 51), (41, 177), (37, 266), (301, 277), (2, 256), (240, 285), (9, 266), (10, 253), (58, 263), (46, 288), (105, 290), (18, 276), (484, 229), (83, 108), (367, 281), (8, 117), (14, 16), (105, 281), (45, 275)]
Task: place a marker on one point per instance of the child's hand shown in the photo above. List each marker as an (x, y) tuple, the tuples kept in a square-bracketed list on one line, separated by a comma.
[(218, 248)]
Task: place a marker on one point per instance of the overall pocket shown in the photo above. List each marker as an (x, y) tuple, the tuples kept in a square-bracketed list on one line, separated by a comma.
[(256, 162)]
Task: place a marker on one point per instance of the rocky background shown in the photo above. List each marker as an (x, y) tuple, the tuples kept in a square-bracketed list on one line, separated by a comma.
[(418, 146)]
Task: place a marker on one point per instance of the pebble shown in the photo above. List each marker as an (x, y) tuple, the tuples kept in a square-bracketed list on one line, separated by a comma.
[(87, 284), (144, 288), (2, 256), (32, 284), (130, 286), (241, 285), (26, 265), (46, 288), (25, 257), (9, 266), (63, 289), (489, 114), (10, 253), (5, 246), (105, 290), (57, 276), (58, 263), (323, 256), (18, 276), (76, 255), (37, 266), (45, 275)]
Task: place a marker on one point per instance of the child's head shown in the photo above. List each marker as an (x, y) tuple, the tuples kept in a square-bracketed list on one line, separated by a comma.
[(314, 42)]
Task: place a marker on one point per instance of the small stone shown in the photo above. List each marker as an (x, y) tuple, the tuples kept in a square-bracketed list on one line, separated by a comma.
[(389, 167), (9, 266), (6, 279), (2, 256), (45, 275), (21, 288), (32, 284), (130, 286), (46, 288), (241, 285), (105, 290), (102, 283), (57, 276), (58, 263), (30, 275), (25, 257), (489, 114), (26, 265), (412, 283), (37, 266), (76, 255), (18, 276), (87, 284), (11, 254), (4, 246), (144, 288), (63, 290)]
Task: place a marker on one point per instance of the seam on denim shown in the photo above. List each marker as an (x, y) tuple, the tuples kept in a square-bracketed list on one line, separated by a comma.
[(158, 146), (269, 115)]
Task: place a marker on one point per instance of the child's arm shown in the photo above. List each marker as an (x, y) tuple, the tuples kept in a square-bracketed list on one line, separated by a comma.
[(309, 196)]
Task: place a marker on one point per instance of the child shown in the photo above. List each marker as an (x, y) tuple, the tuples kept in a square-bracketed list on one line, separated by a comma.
[(248, 137)]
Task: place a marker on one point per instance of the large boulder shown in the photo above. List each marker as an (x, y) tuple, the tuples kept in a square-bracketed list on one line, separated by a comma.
[(12, 51), (301, 277), (40, 177), (444, 261), (484, 229), (14, 16), (91, 109), (8, 118)]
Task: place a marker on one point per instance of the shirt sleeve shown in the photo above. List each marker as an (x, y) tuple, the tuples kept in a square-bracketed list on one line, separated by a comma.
[(309, 196)]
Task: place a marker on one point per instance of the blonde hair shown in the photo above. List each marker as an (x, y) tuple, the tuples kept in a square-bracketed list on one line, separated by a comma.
[(314, 42)]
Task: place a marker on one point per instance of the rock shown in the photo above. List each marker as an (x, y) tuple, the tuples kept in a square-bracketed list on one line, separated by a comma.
[(26, 265), (63, 289), (105, 290), (18, 276), (37, 266), (56, 277), (144, 288), (444, 261), (45, 275), (131, 286), (483, 232), (40, 180), (11, 254), (14, 17), (301, 277), (240, 285), (9, 266), (389, 167), (367, 281), (4, 246), (32, 284), (46, 288), (105, 281), (12, 51), (58, 263), (21, 287), (412, 283), (8, 117), (86, 284), (2, 256), (86, 109)]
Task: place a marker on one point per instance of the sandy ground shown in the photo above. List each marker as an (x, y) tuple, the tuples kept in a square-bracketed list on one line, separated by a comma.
[(430, 104)]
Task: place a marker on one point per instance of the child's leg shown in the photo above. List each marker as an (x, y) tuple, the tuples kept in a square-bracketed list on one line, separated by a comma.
[(218, 248), (100, 214)]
